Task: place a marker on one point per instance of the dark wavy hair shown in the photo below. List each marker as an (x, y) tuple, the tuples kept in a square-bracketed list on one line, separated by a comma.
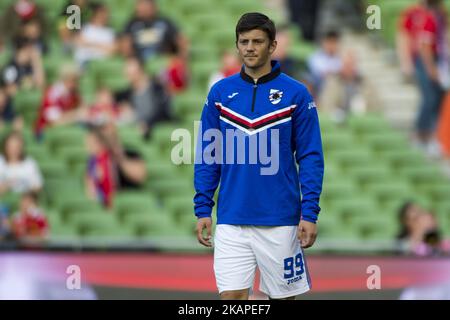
[(255, 20)]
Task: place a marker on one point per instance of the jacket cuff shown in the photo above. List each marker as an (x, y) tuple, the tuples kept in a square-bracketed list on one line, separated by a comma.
[(311, 217), (200, 215)]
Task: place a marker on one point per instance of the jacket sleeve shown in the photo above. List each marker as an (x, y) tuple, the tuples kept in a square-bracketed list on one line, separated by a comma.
[(308, 154), (206, 174)]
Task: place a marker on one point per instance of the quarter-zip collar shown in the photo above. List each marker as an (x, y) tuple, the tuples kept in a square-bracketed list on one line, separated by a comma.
[(276, 70)]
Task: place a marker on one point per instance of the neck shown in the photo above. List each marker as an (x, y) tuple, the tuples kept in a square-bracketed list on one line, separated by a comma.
[(258, 72), (13, 160)]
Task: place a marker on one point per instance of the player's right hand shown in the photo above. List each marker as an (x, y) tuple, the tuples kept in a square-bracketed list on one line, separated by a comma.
[(204, 223)]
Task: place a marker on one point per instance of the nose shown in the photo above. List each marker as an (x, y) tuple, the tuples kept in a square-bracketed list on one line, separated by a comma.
[(250, 47)]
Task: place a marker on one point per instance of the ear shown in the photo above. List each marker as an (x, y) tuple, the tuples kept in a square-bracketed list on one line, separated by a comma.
[(273, 46)]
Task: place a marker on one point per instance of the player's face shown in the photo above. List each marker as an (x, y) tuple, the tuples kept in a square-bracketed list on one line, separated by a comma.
[(255, 48)]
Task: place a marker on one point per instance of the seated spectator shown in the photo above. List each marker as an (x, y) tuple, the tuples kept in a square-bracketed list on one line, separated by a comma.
[(325, 61), (152, 34), (175, 76), (95, 40), (18, 172), (125, 46), (230, 65), (289, 64), (60, 102), (30, 222), (147, 97), (336, 82), (130, 166), (7, 114), (103, 110), (100, 175), (419, 232), (31, 30), (65, 34), (25, 70), (19, 13)]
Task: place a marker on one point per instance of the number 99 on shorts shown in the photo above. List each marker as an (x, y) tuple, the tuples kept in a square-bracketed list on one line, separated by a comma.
[(293, 268)]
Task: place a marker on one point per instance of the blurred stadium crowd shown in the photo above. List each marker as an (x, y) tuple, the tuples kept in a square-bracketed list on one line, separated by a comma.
[(86, 116)]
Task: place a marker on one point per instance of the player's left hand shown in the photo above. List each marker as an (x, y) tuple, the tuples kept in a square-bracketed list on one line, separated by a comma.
[(307, 233)]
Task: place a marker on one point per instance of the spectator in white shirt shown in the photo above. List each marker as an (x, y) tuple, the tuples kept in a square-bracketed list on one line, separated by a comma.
[(18, 172), (96, 40), (336, 82), (326, 61)]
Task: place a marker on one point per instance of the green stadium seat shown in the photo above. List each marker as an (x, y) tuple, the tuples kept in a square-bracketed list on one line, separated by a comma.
[(179, 205), (382, 141), (128, 203), (422, 174), (339, 190), (95, 223), (59, 189), (147, 225), (348, 158), (11, 200), (75, 157), (390, 195), (58, 137), (53, 168), (401, 158), (162, 133), (370, 173), (375, 226), (78, 205), (337, 141), (189, 102), (201, 73), (346, 209), (437, 192), (370, 123), (165, 188)]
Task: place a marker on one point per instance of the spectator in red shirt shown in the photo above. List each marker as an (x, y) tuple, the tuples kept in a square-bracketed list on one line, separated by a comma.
[(105, 110), (230, 65), (410, 23), (100, 175), (30, 222), (60, 101), (176, 75), (422, 46), (18, 14)]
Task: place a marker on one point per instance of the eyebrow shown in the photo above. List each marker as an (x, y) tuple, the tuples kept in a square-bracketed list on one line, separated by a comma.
[(254, 39)]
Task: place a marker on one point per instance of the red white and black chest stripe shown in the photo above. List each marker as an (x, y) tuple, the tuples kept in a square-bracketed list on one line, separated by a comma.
[(253, 126)]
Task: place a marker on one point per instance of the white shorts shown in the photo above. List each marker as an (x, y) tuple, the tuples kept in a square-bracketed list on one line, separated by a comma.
[(238, 250)]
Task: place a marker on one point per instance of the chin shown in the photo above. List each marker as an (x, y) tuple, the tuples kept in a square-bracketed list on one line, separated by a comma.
[(252, 64)]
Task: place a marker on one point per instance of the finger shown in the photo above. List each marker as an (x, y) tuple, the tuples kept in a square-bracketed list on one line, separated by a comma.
[(300, 233), (309, 240), (306, 242), (206, 243), (199, 233), (200, 237), (208, 231)]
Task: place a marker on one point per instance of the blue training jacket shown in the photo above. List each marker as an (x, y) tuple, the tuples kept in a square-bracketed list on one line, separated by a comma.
[(260, 193)]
